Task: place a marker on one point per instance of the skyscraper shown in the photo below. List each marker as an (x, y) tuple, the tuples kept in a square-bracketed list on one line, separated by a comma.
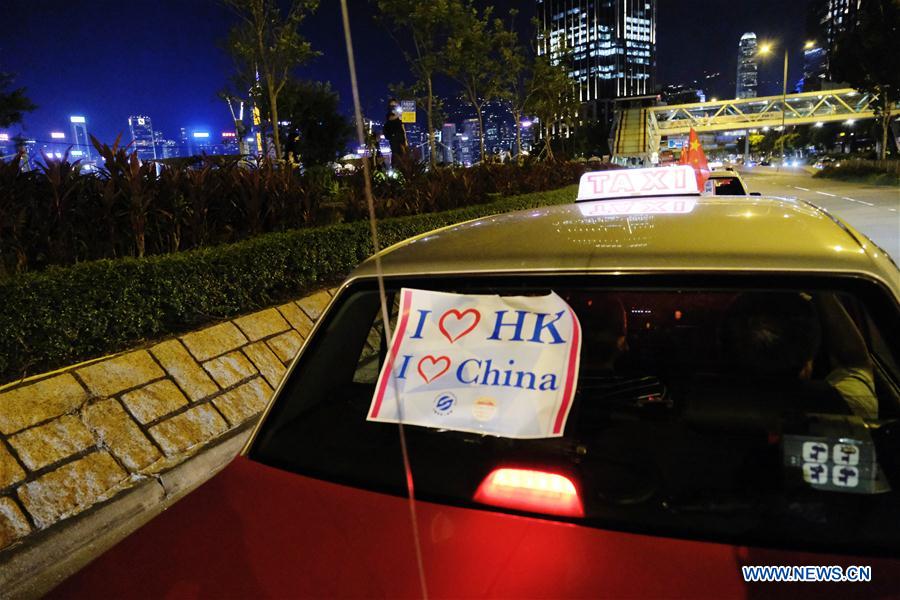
[(840, 17), (815, 70), (470, 151), (747, 68), (448, 137), (610, 46), (142, 137), (80, 138)]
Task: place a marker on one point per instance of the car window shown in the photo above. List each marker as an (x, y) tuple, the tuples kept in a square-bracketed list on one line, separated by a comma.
[(729, 186), (676, 428)]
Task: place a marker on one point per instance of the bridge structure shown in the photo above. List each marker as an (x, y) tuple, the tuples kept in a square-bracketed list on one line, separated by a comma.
[(638, 132)]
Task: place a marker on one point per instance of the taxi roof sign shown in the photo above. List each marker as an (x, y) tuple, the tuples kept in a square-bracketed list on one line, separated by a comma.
[(677, 180)]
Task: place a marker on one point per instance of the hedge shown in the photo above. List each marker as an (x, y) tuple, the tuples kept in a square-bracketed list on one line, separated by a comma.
[(58, 215), (64, 315), (857, 173)]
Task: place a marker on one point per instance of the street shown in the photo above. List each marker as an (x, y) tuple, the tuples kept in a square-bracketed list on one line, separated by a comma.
[(873, 210)]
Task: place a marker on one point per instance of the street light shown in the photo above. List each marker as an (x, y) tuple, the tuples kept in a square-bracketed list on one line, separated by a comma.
[(764, 50)]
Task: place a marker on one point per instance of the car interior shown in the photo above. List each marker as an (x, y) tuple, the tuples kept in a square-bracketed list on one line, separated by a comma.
[(666, 436)]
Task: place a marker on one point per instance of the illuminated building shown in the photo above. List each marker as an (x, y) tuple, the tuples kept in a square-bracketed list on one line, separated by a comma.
[(747, 67), (469, 143), (448, 137), (165, 148), (840, 17), (609, 46), (815, 70), (202, 143), (80, 140), (184, 144), (230, 143), (142, 138), (681, 94)]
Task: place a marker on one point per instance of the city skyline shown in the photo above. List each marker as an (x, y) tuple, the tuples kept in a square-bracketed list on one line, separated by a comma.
[(172, 73)]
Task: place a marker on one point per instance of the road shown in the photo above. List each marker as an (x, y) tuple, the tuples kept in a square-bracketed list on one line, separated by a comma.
[(872, 210)]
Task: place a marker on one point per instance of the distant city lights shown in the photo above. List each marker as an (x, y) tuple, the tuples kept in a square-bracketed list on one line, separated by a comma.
[(526, 124), (57, 135), (75, 119), (227, 134), (201, 134), (4, 137)]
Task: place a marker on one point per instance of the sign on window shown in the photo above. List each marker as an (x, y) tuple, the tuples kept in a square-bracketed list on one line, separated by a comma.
[(500, 365)]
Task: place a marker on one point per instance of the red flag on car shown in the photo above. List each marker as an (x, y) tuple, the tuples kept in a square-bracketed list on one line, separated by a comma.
[(692, 155)]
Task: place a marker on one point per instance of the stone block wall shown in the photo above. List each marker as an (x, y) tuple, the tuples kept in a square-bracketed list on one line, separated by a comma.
[(78, 436)]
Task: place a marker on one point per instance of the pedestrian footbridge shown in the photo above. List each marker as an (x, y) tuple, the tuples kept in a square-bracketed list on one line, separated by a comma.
[(637, 132)]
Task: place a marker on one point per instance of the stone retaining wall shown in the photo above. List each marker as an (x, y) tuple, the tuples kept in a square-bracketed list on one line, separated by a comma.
[(78, 436)]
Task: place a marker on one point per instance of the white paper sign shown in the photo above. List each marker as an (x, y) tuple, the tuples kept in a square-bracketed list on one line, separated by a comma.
[(505, 366)]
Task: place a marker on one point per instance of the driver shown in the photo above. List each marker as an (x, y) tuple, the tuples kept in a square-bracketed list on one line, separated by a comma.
[(779, 334)]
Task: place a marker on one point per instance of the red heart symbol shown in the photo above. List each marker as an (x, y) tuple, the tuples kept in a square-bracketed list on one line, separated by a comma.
[(459, 317), (434, 362)]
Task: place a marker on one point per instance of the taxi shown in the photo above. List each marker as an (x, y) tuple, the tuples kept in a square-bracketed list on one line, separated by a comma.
[(645, 393), (726, 182)]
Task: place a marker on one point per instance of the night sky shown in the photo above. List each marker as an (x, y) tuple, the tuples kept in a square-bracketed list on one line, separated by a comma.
[(110, 59)]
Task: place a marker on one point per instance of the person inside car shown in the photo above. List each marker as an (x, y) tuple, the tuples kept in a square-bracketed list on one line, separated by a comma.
[(777, 334)]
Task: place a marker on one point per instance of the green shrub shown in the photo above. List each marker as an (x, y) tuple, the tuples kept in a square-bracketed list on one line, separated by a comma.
[(58, 215), (860, 173), (63, 315)]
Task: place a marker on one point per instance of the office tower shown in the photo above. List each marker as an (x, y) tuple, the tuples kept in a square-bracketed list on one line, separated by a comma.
[(840, 17), (202, 143), (185, 148), (80, 140), (230, 143), (470, 143), (142, 138), (815, 69), (609, 47), (499, 129), (747, 67), (448, 137)]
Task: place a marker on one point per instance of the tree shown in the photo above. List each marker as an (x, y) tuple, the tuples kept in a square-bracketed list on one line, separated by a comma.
[(423, 27), (267, 47), (472, 57), (237, 117), (516, 87), (434, 117), (553, 101), (865, 56), (757, 142), (315, 131), (13, 103), (591, 139)]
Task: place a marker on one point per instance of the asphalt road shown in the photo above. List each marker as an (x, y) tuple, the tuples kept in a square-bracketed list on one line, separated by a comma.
[(872, 210)]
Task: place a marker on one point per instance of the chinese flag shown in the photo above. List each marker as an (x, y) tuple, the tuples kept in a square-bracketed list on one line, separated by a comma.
[(692, 155)]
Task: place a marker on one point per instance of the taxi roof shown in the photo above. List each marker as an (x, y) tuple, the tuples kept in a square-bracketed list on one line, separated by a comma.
[(719, 233)]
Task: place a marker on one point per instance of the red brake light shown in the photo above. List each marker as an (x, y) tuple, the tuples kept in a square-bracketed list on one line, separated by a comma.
[(529, 490)]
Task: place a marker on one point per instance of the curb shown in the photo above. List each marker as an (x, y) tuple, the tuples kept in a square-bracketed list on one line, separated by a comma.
[(45, 559)]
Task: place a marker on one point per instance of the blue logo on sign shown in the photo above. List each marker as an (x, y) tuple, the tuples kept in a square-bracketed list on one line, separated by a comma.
[(443, 404)]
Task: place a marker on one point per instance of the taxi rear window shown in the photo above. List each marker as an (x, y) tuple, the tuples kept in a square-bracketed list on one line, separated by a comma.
[(729, 186), (691, 417)]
